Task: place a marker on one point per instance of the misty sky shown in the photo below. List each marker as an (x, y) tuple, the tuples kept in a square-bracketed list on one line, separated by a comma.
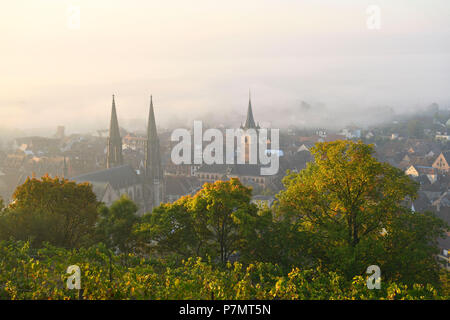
[(199, 58)]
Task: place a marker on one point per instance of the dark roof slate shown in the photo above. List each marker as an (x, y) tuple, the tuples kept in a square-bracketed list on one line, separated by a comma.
[(117, 177)]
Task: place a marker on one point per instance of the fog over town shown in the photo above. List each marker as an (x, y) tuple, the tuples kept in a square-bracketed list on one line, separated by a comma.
[(197, 60)]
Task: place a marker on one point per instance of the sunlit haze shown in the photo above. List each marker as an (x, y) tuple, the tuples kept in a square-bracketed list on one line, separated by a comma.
[(199, 58)]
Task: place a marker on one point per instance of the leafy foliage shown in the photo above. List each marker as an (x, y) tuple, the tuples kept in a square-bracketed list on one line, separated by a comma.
[(55, 210), (41, 274), (216, 222), (351, 207), (116, 224)]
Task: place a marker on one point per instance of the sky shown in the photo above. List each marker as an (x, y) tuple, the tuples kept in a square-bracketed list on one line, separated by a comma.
[(200, 58)]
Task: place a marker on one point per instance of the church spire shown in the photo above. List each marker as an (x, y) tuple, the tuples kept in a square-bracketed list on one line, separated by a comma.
[(114, 148), (151, 125), (154, 177), (153, 167), (250, 121)]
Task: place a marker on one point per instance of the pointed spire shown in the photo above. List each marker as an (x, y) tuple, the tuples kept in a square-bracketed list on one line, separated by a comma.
[(250, 121), (151, 125), (114, 123), (153, 160), (114, 152), (154, 177)]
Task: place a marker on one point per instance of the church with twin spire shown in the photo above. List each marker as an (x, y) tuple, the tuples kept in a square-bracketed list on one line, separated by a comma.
[(146, 187)]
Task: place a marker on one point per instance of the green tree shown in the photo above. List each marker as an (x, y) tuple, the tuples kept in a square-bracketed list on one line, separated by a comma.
[(172, 228), (277, 241), (56, 210), (216, 222), (409, 248), (225, 216), (344, 199), (116, 224)]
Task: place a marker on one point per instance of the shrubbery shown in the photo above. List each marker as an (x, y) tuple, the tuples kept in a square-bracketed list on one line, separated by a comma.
[(29, 273)]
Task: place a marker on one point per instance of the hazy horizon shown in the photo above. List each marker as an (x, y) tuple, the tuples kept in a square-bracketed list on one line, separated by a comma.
[(199, 60)]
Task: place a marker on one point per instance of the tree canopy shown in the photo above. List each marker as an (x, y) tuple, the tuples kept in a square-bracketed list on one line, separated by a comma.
[(53, 210), (352, 208), (214, 223)]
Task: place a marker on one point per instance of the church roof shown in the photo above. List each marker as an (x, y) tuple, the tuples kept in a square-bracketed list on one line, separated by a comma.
[(99, 188), (253, 170), (118, 177), (180, 185)]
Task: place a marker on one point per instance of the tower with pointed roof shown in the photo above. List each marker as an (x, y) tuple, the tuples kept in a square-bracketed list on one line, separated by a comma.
[(154, 177), (249, 121), (114, 156), (248, 138)]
